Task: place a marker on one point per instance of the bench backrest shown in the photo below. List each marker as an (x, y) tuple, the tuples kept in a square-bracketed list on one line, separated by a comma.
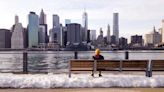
[(157, 64), (108, 64), (81, 64), (134, 64)]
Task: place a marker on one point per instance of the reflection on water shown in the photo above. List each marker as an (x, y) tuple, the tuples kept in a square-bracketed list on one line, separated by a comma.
[(50, 61)]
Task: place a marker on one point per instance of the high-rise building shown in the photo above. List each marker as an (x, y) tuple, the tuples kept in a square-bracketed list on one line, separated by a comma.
[(162, 30), (42, 34), (56, 21), (42, 18), (85, 26), (17, 38), (123, 43), (42, 22), (93, 35), (116, 26), (33, 28), (153, 38), (137, 40), (57, 30), (73, 33), (108, 34), (5, 38)]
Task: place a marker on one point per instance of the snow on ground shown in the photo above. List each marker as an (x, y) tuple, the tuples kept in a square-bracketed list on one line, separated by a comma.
[(78, 80)]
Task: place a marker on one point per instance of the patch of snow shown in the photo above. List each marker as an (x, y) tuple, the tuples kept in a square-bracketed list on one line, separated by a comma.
[(78, 80)]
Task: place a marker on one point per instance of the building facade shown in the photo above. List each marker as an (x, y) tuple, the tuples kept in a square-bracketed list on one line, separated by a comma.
[(116, 26), (93, 35), (136, 41), (85, 26), (73, 33), (5, 38), (153, 38), (33, 28), (108, 34)]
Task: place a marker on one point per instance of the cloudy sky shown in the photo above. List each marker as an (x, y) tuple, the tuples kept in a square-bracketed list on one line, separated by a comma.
[(135, 16)]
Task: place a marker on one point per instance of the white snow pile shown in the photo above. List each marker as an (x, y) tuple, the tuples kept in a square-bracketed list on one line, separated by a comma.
[(78, 81)]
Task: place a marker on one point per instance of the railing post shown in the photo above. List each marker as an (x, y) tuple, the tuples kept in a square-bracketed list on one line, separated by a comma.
[(75, 55), (25, 62), (149, 69), (69, 66), (126, 55)]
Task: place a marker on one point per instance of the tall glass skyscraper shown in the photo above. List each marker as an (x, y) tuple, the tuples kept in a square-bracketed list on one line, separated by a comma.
[(85, 26), (33, 28), (116, 26)]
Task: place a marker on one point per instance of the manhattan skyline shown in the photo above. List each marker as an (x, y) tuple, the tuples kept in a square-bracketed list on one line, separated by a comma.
[(135, 16)]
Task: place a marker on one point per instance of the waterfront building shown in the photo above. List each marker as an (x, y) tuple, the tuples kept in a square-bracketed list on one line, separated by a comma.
[(57, 30), (123, 43), (136, 41), (85, 26), (108, 34), (113, 39), (33, 28), (42, 18), (43, 22), (153, 38), (51, 36), (42, 34), (116, 26), (5, 38), (73, 34), (163, 31), (17, 38), (100, 39), (93, 35)]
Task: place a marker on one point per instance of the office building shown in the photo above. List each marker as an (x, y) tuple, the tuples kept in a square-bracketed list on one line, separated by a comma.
[(33, 28), (137, 41), (85, 26), (17, 38), (5, 38), (73, 34), (153, 38), (108, 34), (123, 43), (116, 26), (93, 35)]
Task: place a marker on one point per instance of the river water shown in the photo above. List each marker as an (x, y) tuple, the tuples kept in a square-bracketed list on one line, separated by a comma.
[(57, 61)]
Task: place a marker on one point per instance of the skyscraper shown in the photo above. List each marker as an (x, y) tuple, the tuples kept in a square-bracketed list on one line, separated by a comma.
[(42, 18), (5, 38), (93, 35), (33, 28), (85, 26), (73, 33), (162, 30), (42, 22), (56, 21), (17, 38), (108, 34), (57, 29), (116, 26)]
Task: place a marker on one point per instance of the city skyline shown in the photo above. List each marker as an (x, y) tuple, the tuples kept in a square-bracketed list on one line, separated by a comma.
[(136, 16)]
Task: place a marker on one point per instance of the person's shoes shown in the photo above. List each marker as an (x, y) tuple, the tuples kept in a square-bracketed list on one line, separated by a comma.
[(92, 75), (100, 75)]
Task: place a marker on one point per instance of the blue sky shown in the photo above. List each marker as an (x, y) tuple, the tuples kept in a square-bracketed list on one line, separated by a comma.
[(135, 16)]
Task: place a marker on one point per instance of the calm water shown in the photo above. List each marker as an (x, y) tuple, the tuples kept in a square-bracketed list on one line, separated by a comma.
[(57, 61)]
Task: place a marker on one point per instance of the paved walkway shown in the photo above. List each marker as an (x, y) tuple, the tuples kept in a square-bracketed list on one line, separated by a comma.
[(87, 90)]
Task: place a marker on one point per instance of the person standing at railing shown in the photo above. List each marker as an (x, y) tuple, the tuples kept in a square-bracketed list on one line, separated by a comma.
[(98, 56)]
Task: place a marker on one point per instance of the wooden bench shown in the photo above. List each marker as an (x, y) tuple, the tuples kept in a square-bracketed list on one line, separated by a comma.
[(80, 65), (156, 65), (108, 65)]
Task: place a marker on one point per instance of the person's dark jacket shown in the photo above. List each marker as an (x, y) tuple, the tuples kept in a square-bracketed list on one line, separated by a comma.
[(98, 57)]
